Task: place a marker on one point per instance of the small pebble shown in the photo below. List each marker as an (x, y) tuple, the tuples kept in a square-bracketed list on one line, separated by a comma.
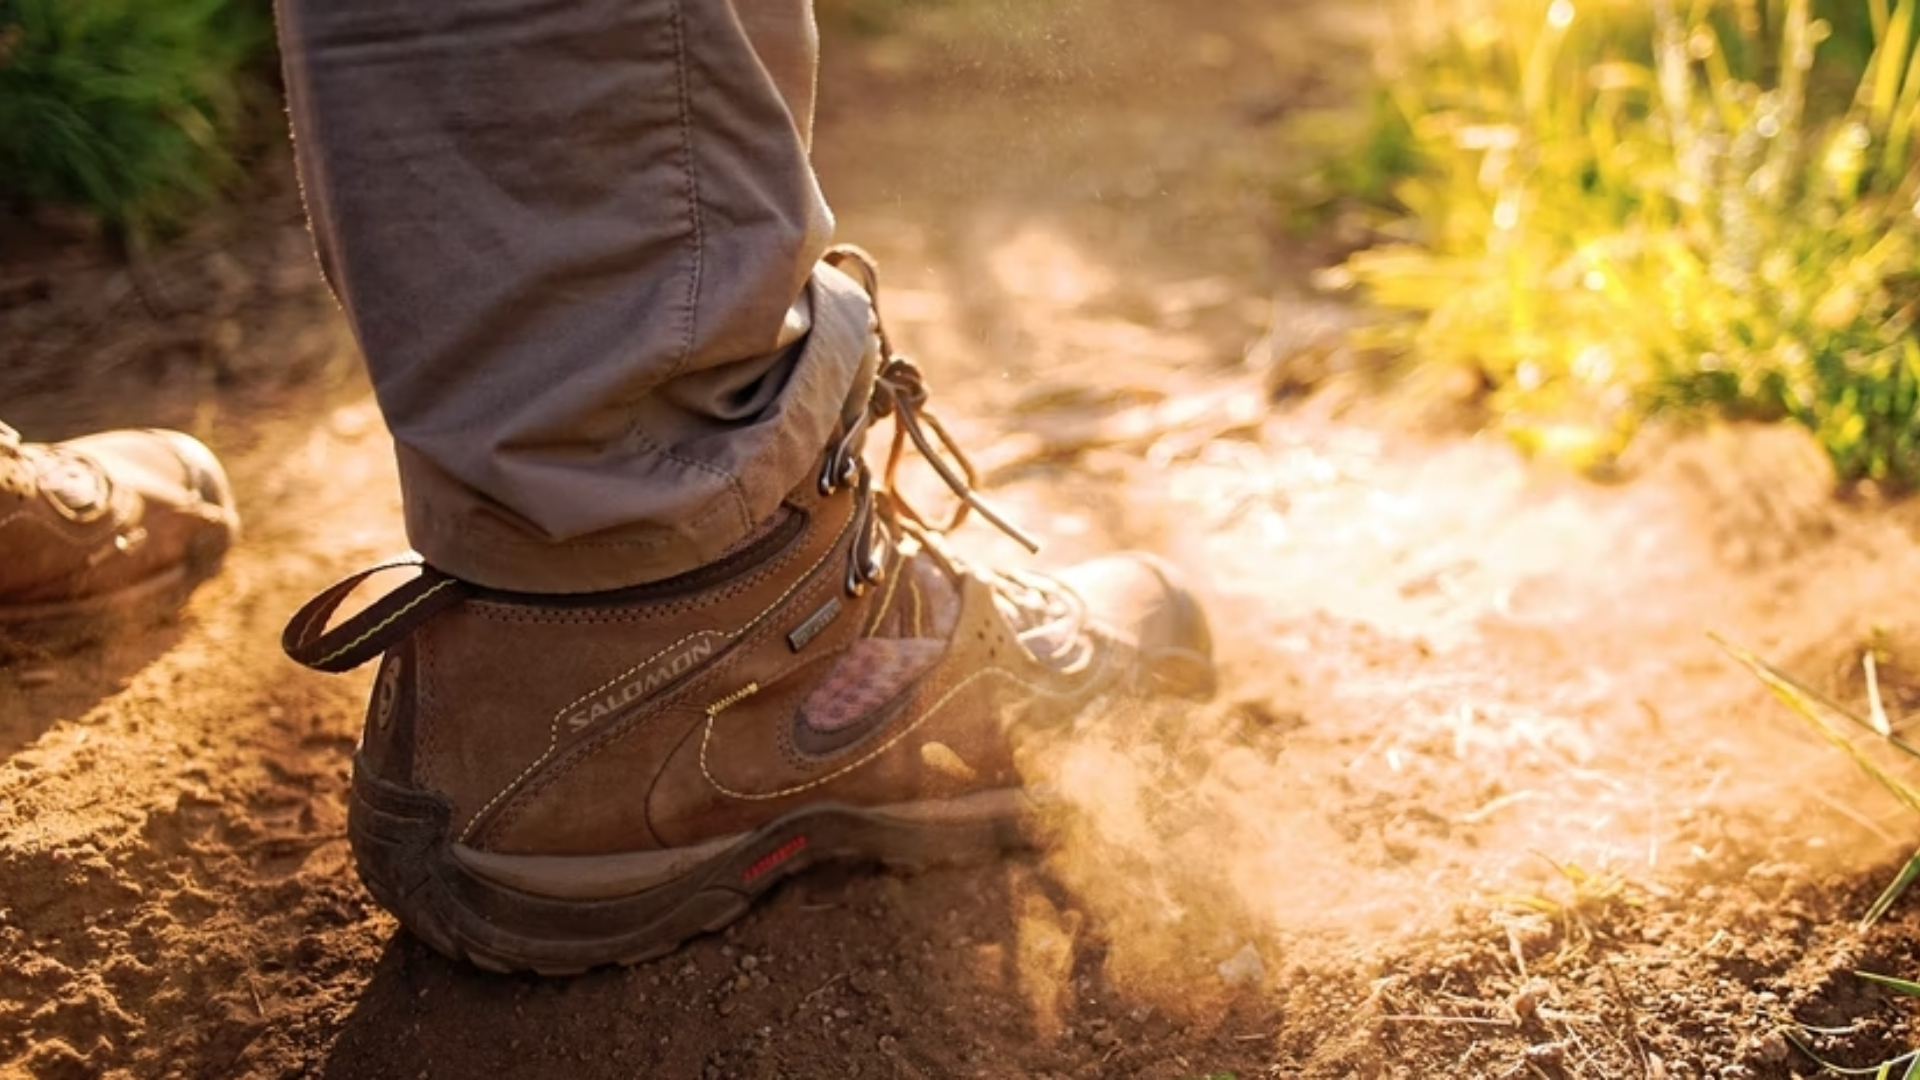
[(1773, 1048), (1551, 1053), (1527, 1000), (1243, 968)]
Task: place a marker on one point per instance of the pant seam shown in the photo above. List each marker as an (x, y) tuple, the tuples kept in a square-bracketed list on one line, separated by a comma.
[(698, 254), (690, 169), (741, 506)]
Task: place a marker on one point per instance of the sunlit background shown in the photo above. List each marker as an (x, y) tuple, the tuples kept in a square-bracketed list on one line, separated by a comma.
[(1483, 355)]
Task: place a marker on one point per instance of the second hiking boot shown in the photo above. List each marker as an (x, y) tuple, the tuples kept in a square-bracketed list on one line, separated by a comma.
[(104, 533)]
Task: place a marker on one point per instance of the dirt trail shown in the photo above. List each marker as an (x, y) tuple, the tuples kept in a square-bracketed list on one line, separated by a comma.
[(1479, 799)]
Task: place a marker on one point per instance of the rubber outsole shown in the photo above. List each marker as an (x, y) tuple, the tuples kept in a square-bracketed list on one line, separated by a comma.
[(402, 845)]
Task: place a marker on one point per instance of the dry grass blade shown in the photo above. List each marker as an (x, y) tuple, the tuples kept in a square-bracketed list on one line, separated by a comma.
[(1820, 711), (1893, 892), (1909, 1064), (1903, 986), (1876, 710)]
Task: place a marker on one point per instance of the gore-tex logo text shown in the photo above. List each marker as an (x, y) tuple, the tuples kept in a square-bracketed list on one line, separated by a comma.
[(642, 681)]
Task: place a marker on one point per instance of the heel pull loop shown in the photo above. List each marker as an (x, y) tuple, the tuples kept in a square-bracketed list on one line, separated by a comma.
[(308, 642)]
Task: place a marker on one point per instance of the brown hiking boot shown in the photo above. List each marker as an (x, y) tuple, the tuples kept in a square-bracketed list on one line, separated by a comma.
[(555, 782), (103, 532)]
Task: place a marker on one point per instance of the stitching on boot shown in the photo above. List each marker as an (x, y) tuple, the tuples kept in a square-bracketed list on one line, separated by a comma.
[(720, 672), (938, 682), (383, 624), (886, 600), (946, 698), (732, 699), (559, 718), (426, 726)]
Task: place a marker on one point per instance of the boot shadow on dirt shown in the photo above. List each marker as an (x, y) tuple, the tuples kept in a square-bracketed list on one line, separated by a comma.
[(848, 971), (41, 685)]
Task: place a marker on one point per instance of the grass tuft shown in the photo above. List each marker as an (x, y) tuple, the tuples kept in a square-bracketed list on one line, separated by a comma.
[(1834, 722), (1614, 210), (124, 107)]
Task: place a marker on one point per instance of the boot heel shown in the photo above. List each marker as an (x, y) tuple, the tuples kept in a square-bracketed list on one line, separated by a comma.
[(400, 840)]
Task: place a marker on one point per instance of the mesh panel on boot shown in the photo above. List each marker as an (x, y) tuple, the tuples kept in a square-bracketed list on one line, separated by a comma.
[(872, 673)]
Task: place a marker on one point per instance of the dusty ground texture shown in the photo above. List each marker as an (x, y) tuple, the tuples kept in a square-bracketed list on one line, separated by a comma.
[(1479, 799)]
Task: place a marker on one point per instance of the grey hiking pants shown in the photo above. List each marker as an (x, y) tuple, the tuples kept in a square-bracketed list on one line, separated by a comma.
[(577, 242)]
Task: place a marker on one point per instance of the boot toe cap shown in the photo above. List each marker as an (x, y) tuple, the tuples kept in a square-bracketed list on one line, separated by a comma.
[(1146, 601)]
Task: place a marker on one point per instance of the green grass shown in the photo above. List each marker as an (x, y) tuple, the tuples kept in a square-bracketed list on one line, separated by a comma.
[(1901, 1067), (1613, 210), (1841, 727), (128, 108)]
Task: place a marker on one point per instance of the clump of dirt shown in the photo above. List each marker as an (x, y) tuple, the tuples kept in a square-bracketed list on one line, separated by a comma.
[(1479, 798)]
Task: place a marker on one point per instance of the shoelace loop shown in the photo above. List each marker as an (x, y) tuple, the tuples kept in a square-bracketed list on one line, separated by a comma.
[(900, 394)]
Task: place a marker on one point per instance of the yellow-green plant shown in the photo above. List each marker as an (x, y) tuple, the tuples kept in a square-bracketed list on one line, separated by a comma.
[(1617, 209), (127, 107)]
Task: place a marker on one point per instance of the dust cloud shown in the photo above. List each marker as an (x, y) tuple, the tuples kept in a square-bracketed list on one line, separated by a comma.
[(1459, 690)]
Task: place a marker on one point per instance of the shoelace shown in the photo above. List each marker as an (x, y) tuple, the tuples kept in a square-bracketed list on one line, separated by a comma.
[(1047, 618), (900, 394)]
